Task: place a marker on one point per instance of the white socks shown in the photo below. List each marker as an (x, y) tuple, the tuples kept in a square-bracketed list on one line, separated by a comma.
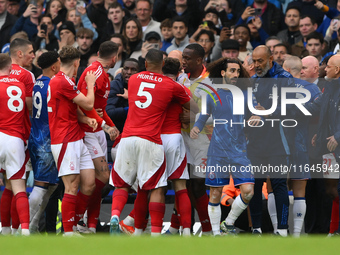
[(272, 210), (237, 207), (299, 212), (214, 211)]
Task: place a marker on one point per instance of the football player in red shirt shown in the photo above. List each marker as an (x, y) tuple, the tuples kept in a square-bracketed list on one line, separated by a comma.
[(72, 157), (96, 140), (140, 154), (22, 54), (12, 143)]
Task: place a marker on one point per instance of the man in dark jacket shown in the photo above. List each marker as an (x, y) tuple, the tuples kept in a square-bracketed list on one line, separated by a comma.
[(269, 145), (117, 103), (7, 21)]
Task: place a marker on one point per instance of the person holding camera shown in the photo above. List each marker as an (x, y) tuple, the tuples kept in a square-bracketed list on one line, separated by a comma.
[(45, 39), (29, 20)]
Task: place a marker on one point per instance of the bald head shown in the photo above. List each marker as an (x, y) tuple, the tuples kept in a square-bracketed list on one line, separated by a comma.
[(177, 55), (263, 60), (333, 67), (293, 65), (310, 69)]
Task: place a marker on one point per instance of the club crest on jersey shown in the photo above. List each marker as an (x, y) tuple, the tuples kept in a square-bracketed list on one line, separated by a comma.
[(72, 166), (95, 151)]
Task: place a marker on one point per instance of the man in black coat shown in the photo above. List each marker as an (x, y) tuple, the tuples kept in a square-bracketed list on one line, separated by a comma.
[(6, 23)]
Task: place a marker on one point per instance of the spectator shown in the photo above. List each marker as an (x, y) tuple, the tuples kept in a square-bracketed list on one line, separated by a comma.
[(67, 34), (98, 15), (242, 35), (133, 33), (70, 4), (144, 11), (331, 14), (307, 25), (115, 21), (334, 45), (152, 41), (280, 52), (45, 38), (57, 11), (308, 7), (187, 9), (79, 19), (271, 41), (179, 31), (271, 16), (226, 15), (206, 39), (29, 20), (122, 54), (166, 31), (292, 34), (129, 8), (13, 7), (85, 46), (315, 45), (257, 34), (211, 14), (230, 48), (8, 21)]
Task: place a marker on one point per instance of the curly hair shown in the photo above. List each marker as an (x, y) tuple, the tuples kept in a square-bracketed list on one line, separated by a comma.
[(68, 54), (217, 66)]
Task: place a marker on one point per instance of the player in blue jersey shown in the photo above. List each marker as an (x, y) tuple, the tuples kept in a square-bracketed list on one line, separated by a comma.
[(227, 153), (300, 173), (44, 168)]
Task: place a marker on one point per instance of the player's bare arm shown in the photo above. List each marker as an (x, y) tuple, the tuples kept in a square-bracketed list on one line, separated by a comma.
[(113, 132), (29, 103), (82, 118), (87, 102)]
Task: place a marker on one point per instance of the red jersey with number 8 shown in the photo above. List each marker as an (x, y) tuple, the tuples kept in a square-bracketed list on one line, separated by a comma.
[(149, 97), (27, 78), (13, 107)]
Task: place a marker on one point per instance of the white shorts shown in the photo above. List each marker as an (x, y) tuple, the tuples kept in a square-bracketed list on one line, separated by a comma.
[(176, 161), (71, 157), (197, 150), (13, 157), (332, 169), (96, 144), (140, 159)]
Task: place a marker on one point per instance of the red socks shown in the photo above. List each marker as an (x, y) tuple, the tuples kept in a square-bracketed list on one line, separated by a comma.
[(81, 205), (132, 213), (22, 208), (5, 207), (184, 208), (119, 199), (202, 210), (94, 205), (141, 208), (68, 211), (175, 221), (156, 211), (335, 216), (14, 214)]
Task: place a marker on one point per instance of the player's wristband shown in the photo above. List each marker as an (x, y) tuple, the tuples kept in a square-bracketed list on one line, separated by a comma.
[(103, 123)]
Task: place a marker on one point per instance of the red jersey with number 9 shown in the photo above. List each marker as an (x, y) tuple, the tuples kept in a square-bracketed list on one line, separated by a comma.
[(13, 107), (149, 97), (27, 78)]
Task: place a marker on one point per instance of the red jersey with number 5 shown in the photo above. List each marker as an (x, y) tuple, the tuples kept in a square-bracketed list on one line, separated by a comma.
[(13, 107), (62, 115), (149, 97), (27, 78)]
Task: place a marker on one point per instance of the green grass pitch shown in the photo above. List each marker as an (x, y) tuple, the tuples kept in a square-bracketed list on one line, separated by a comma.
[(120, 245)]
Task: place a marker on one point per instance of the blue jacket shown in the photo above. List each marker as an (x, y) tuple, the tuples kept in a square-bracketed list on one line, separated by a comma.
[(228, 139), (271, 139), (117, 106), (301, 130), (25, 24), (328, 104)]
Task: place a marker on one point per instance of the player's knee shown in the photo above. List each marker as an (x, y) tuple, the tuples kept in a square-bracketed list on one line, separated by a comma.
[(247, 193), (215, 195)]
